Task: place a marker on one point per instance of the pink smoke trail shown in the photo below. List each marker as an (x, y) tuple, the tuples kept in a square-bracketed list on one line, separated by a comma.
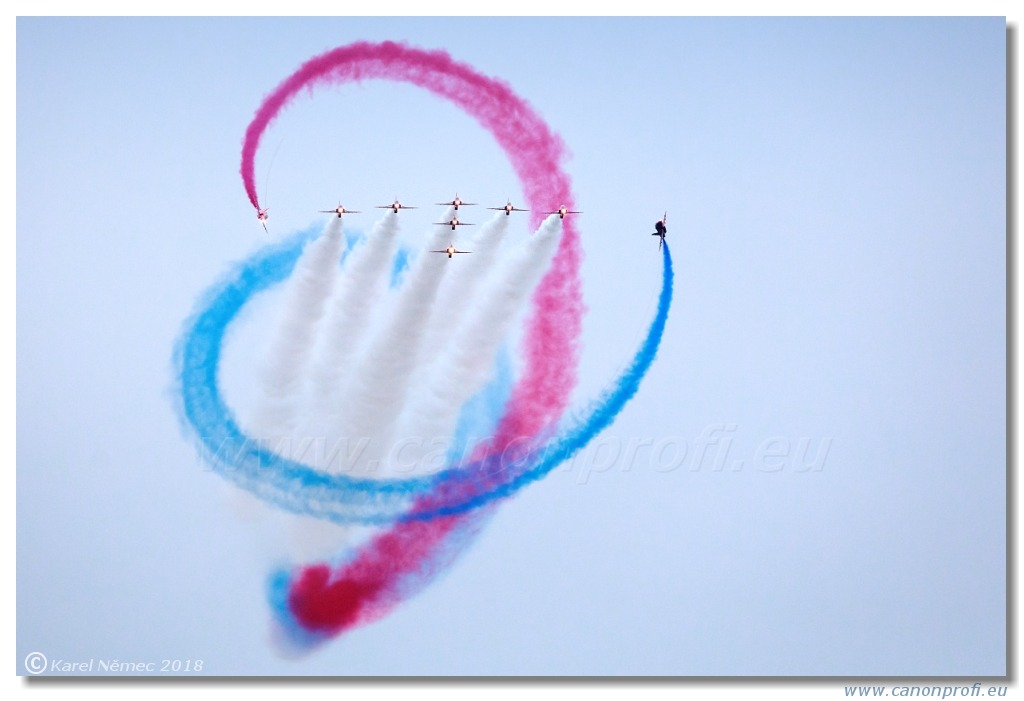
[(551, 344)]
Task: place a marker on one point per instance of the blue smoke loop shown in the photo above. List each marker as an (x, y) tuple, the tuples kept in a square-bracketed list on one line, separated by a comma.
[(249, 463)]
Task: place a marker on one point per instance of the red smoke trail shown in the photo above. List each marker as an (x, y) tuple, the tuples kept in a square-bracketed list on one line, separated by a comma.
[(365, 588)]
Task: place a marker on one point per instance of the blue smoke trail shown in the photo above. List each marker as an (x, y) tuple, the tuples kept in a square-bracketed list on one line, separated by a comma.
[(400, 267), (480, 415), (599, 415), (300, 489)]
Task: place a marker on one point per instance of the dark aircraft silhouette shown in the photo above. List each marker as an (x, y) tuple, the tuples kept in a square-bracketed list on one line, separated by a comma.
[(660, 230)]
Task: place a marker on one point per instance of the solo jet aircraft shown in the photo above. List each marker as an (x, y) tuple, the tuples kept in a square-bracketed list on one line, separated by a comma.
[(660, 229)]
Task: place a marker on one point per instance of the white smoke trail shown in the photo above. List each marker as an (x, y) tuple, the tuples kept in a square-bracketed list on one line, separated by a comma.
[(281, 379), (357, 288), (361, 283), (459, 286), (375, 395), (468, 361)]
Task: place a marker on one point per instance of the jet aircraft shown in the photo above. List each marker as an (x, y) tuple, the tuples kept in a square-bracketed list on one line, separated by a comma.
[(394, 206), (660, 229), (456, 203), (562, 211), (453, 223), (339, 210), (451, 250), (508, 208)]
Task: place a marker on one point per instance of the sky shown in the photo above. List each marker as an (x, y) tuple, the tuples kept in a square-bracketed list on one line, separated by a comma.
[(812, 478)]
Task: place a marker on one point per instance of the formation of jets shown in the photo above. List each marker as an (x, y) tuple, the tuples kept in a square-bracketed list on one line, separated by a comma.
[(508, 208), (660, 226)]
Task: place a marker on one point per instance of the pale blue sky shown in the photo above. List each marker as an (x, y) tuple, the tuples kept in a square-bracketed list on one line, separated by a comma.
[(836, 198)]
